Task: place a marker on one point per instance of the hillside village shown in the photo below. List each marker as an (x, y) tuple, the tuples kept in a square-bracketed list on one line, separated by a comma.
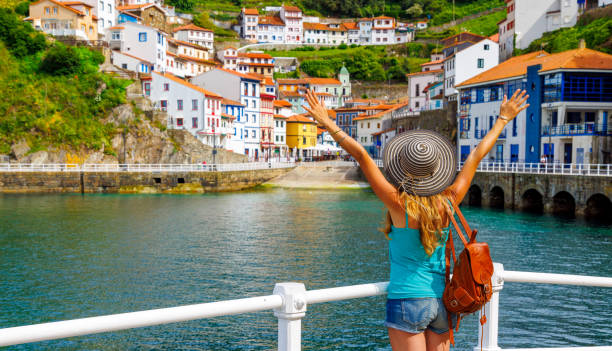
[(228, 98)]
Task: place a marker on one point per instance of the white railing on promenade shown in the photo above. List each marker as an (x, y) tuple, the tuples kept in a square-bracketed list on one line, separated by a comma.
[(546, 168), (102, 167), (289, 302)]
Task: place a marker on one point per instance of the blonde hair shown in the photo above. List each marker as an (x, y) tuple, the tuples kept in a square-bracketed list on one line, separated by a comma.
[(424, 209)]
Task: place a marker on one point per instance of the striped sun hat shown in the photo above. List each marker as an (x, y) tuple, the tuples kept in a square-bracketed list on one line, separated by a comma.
[(420, 162)]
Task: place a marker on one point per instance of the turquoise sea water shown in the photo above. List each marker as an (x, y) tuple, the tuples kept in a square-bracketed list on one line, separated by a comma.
[(73, 256)]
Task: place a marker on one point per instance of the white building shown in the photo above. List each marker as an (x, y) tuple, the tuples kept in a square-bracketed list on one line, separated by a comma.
[(229, 57), (564, 123), (106, 12), (234, 111), (337, 34), (383, 30), (467, 63), (292, 17), (249, 20), (373, 122), (527, 20), (139, 41), (353, 32), (416, 84), (270, 29), (188, 106), (365, 31), (244, 88), (196, 35), (315, 33)]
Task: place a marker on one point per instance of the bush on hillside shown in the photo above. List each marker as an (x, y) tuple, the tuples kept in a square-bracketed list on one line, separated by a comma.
[(184, 5), (596, 34), (19, 36), (61, 60), (342, 46), (23, 8)]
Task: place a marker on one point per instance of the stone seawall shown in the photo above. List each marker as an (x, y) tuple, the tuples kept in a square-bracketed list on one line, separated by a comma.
[(134, 182)]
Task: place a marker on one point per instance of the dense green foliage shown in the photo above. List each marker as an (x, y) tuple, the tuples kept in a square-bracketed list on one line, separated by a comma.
[(372, 63), (182, 5), (19, 36), (597, 34), (367, 63), (46, 107), (203, 20)]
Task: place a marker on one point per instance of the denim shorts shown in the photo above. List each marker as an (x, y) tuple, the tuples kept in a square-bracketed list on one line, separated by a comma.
[(417, 315)]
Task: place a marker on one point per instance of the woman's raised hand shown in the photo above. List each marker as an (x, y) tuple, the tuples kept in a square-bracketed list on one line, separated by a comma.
[(317, 110), (511, 108)]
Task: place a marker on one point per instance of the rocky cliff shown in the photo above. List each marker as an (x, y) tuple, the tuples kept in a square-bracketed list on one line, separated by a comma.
[(140, 137)]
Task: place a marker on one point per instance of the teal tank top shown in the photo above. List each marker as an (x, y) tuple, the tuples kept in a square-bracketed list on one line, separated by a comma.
[(414, 274)]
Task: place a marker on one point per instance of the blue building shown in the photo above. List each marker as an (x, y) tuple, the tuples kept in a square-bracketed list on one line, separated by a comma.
[(567, 121)]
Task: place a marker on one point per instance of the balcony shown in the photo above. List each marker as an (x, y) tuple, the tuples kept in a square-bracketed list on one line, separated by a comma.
[(66, 32), (577, 129)]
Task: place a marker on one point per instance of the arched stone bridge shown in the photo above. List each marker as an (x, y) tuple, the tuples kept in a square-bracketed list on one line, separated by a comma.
[(569, 195)]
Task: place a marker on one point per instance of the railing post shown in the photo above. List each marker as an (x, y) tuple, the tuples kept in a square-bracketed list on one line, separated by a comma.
[(290, 315), (488, 333)]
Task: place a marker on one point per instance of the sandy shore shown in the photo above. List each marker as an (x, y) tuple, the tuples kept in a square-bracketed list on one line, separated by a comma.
[(322, 177)]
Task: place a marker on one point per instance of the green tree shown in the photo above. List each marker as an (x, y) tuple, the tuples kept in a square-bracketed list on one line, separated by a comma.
[(18, 36), (415, 11), (61, 60), (184, 5), (23, 8)]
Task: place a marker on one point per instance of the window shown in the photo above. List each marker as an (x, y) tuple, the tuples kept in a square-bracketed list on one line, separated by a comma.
[(166, 86), (55, 10), (486, 47), (110, 8), (253, 134), (194, 104), (480, 63), (589, 116), (303, 140), (142, 37), (194, 122), (179, 105), (47, 10), (514, 133), (179, 122), (164, 105), (116, 35), (418, 91)]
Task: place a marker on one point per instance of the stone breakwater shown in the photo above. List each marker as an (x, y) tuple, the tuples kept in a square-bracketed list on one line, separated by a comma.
[(134, 182)]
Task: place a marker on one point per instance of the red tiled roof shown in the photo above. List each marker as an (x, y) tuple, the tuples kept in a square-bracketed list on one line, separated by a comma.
[(315, 26), (187, 84), (231, 102), (199, 60), (291, 93), (252, 12), (586, 59), (191, 26), (254, 55), (384, 131), (70, 3), (436, 62), (243, 75), (350, 25), (280, 116), (132, 56), (424, 72), (381, 113), (300, 119), (196, 46), (271, 20), (62, 5), (227, 116), (291, 8), (290, 81), (495, 37), (282, 103), (322, 81), (116, 27)]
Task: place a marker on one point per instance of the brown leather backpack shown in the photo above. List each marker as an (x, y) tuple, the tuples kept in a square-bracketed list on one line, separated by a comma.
[(470, 286)]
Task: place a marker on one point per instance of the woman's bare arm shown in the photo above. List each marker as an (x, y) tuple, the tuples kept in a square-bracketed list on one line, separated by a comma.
[(508, 111), (386, 192)]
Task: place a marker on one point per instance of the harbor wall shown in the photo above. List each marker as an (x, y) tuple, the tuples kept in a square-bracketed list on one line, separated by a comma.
[(134, 182)]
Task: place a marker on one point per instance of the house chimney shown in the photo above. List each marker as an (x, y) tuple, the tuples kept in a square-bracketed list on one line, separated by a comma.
[(582, 44)]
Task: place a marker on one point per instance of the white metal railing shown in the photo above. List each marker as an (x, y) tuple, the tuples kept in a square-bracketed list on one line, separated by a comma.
[(545, 168), (289, 302), (101, 167)]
